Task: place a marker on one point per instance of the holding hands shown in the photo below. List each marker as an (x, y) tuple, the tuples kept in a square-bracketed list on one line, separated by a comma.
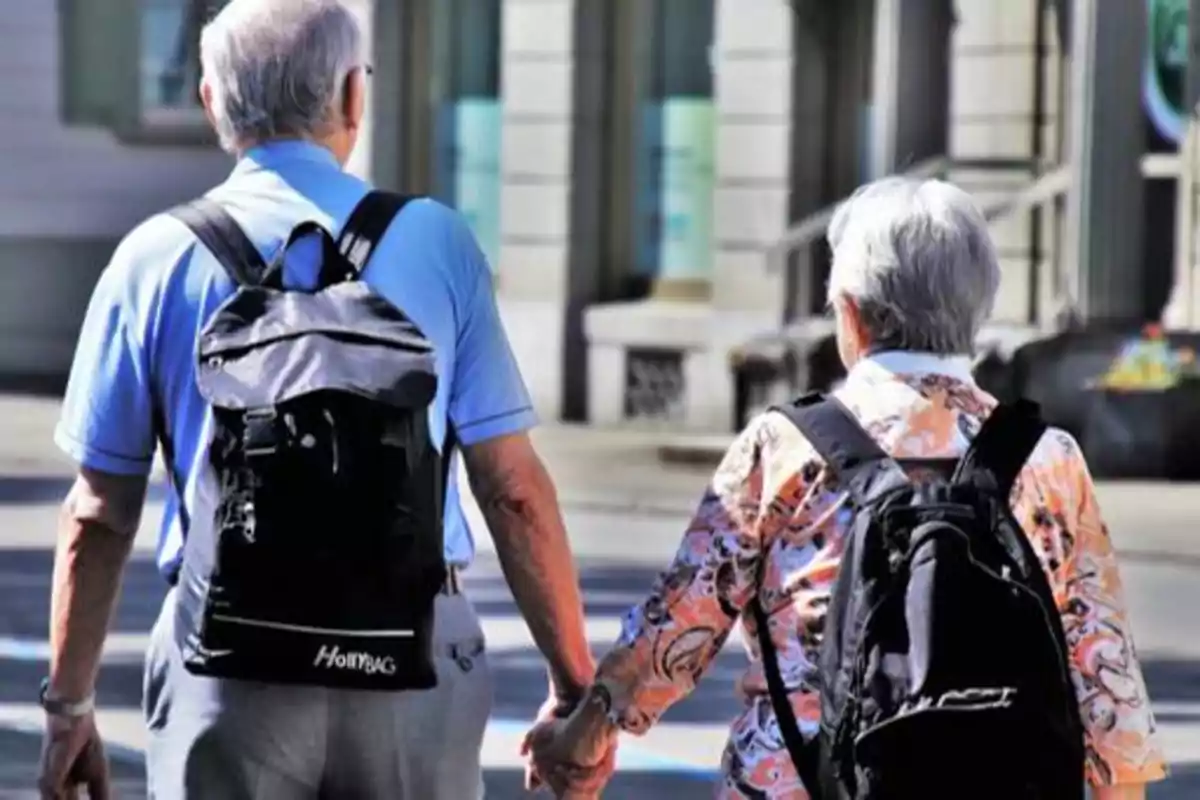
[(573, 755)]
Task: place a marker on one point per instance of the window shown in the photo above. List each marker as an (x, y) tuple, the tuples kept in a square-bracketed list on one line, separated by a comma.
[(169, 56), (467, 34), (133, 66), (662, 140), (450, 120)]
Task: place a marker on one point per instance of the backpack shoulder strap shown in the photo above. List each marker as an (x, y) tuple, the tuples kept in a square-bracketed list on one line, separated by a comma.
[(805, 755), (835, 433), (1002, 446), (367, 224), (224, 238)]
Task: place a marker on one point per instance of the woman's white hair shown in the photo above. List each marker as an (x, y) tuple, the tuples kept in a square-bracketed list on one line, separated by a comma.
[(918, 261), (277, 68)]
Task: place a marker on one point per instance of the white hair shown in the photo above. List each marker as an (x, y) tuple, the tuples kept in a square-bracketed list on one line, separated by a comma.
[(918, 261), (276, 68)]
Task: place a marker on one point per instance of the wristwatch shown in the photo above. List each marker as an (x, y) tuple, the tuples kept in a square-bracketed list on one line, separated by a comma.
[(600, 696), (62, 708)]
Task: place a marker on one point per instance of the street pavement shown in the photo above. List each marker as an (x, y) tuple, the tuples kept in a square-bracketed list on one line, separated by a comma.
[(625, 511)]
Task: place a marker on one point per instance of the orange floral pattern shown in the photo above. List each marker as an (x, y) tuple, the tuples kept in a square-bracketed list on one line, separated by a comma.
[(771, 525)]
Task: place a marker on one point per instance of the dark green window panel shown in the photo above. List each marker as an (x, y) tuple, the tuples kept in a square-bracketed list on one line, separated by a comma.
[(93, 34), (133, 66)]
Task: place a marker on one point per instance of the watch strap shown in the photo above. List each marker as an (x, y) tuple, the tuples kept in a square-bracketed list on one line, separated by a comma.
[(64, 708), (600, 696)]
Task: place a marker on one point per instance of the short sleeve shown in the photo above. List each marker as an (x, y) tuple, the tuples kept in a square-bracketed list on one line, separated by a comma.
[(488, 395), (1123, 746), (107, 421)]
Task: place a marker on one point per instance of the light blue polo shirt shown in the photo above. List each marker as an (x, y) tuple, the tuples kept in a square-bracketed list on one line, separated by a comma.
[(139, 336)]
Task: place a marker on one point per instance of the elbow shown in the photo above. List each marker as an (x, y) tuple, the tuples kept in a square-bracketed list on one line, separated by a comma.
[(518, 498), (108, 503), (508, 478)]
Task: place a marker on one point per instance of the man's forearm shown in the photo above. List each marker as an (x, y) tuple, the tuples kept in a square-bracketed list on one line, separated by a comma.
[(521, 510), (88, 563)]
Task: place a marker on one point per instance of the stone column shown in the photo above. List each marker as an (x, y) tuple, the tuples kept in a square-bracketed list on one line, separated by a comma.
[(753, 96), (537, 64), (1106, 138), (753, 64)]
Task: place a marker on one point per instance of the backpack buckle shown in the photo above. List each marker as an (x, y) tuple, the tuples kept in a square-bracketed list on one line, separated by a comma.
[(259, 437)]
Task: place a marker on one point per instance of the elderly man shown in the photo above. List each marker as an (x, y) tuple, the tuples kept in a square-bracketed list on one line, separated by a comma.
[(914, 277), (284, 86)]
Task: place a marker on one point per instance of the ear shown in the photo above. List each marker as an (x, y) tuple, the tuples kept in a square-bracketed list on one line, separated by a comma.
[(354, 98), (852, 321), (206, 100)]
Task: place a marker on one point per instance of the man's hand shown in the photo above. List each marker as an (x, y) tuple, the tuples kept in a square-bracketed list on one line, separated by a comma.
[(571, 762), (73, 755), (554, 708), (96, 528)]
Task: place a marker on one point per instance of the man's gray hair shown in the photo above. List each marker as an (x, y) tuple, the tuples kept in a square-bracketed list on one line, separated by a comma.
[(916, 258), (277, 67)]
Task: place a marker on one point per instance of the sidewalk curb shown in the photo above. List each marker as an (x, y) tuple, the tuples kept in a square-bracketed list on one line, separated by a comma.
[(693, 451)]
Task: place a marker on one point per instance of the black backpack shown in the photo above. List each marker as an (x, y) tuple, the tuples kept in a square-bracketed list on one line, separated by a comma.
[(943, 668), (314, 553)]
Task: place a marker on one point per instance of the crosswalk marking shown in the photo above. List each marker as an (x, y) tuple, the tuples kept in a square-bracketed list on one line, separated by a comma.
[(125, 739), (689, 750)]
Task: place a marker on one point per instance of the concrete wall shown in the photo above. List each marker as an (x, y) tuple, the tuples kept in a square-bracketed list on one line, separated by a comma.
[(537, 66), (66, 196), (754, 119)]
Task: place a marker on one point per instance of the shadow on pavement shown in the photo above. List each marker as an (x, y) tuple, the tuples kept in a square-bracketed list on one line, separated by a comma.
[(1173, 679), (1184, 784), (31, 490), (34, 385), (508, 784)]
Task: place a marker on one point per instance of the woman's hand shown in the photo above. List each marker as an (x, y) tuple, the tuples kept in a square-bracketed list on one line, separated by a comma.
[(575, 757)]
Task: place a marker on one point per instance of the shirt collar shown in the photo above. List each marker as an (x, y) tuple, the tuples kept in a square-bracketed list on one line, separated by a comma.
[(890, 363), (285, 152)]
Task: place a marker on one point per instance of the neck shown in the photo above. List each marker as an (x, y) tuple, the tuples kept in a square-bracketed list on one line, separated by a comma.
[(325, 144)]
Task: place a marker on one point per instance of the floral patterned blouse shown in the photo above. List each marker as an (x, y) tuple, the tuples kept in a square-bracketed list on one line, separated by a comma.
[(768, 510)]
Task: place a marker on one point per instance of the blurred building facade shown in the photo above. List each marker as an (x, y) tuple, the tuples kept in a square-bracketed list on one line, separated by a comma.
[(629, 166), (647, 156)]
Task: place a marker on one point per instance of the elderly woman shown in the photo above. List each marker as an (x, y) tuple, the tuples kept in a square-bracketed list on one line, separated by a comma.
[(914, 278)]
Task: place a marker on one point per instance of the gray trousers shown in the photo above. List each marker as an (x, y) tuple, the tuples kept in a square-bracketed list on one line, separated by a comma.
[(234, 740)]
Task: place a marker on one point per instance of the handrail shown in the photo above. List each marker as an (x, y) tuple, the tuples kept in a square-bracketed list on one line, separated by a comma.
[(1043, 189), (813, 227), (1056, 182)]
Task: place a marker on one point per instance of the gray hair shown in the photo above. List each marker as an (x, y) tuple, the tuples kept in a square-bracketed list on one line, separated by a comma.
[(917, 259), (276, 68)]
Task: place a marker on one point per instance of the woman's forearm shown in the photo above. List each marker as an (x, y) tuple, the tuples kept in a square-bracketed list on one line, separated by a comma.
[(591, 727), (1132, 791)]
